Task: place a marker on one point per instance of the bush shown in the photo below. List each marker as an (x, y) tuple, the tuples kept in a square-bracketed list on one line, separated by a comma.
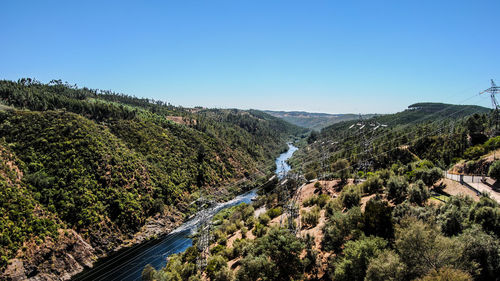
[(494, 170), (311, 218), (378, 218), (474, 152), (386, 266), (357, 255), (418, 193), (214, 265), (259, 230), (350, 197), (310, 175), (274, 212), (341, 226), (309, 201), (250, 222), (429, 176), (372, 184), (334, 205), (323, 200), (217, 249), (231, 228), (264, 219), (397, 188), (446, 273), (317, 185)]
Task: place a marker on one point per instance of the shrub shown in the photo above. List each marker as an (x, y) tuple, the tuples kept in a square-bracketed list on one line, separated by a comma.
[(372, 184), (311, 218), (350, 197), (217, 249), (317, 185), (357, 255), (309, 201), (474, 152), (264, 219), (323, 200), (215, 264), (310, 175), (418, 193), (250, 222), (231, 228), (386, 266), (378, 218), (446, 273), (259, 230), (274, 212), (494, 170), (397, 188), (341, 226), (333, 206)]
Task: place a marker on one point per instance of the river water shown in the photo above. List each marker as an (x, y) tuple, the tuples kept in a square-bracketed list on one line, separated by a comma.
[(127, 264)]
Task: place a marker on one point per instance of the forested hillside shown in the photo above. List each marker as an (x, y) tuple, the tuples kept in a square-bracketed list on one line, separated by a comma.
[(101, 163), (380, 211), (433, 131)]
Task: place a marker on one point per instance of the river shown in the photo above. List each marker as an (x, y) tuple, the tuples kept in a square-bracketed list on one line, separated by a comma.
[(127, 264)]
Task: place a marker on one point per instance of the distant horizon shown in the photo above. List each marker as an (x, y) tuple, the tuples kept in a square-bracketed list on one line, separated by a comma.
[(314, 56), (248, 108)]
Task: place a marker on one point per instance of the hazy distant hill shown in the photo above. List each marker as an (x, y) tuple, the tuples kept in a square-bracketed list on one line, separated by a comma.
[(315, 121)]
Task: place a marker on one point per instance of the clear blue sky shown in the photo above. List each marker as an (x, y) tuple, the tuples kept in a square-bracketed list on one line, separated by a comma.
[(320, 56)]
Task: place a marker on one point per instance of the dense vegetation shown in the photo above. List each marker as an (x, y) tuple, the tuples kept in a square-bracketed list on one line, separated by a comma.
[(441, 133), (102, 163), (396, 223)]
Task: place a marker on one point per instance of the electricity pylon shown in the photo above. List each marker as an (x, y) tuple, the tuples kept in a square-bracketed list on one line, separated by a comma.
[(204, 232), (493, 90)]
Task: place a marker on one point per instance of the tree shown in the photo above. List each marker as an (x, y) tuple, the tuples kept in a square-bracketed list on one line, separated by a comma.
[(494, 170), (214, 265), (341, 168), (372, 184), (453, 215), (483, 249), (340, 226), (422, 248), (148, 273), (387, 266), (378, 218), (275, 256), (446, 274), (357, 255), (418, 193), (397, 188), (350, 197)]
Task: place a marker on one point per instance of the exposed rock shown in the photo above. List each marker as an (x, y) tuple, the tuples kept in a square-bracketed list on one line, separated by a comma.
[(55, 259), (156, 226)]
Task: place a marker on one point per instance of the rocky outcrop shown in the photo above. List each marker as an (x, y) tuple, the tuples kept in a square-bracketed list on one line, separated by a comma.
[(69, 254), (54, 259)]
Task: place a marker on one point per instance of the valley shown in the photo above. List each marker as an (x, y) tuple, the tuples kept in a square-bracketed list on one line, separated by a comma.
[(103, 186)]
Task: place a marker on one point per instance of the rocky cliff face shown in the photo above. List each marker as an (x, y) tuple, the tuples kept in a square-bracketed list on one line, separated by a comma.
[(69, 254), (54, 259)]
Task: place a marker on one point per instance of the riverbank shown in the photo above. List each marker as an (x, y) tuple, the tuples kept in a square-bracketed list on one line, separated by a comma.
[(128, 263)]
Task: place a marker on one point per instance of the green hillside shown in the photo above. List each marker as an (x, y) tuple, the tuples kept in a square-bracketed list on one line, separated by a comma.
[(102, 163), (435, 131), (399, 221)]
